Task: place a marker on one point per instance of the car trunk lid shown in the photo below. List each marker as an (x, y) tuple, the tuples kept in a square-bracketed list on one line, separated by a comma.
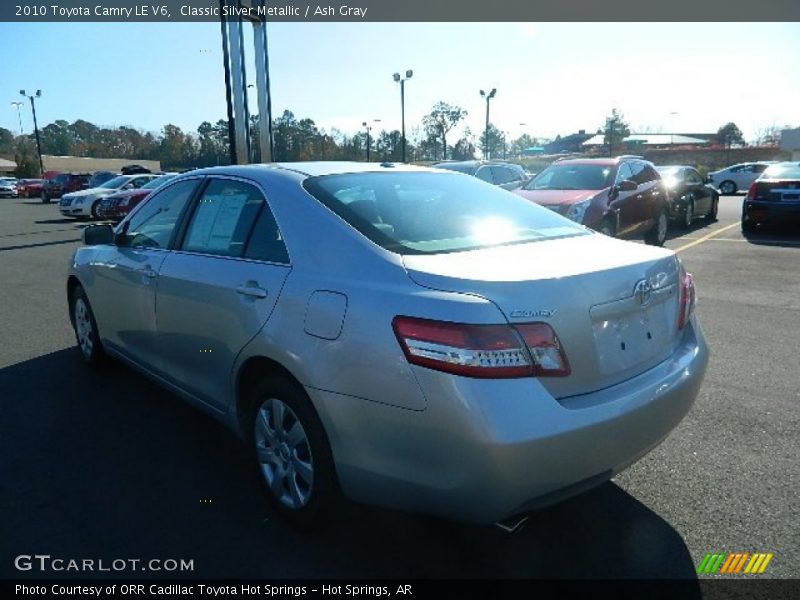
[(584, 287)]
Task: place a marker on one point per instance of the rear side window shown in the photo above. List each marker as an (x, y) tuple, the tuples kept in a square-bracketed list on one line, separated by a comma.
[(266, 242), (485, 174), (502, 175), (223, 218)]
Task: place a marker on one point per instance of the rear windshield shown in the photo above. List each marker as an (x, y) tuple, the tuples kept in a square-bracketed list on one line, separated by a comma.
[(782, 171), (572, 177), (432, 213)]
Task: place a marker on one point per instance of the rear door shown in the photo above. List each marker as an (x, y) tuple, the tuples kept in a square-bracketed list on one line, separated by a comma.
[(623, 203), (219, 286), (699, 191)]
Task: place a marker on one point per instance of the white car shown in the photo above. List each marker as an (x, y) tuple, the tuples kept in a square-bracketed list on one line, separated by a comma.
[(737, 177), (84, 204), (8, 187)]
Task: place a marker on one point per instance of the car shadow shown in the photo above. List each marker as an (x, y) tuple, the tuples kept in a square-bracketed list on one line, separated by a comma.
[(103, 463), (63, 221), (781, 234), (676, 230)]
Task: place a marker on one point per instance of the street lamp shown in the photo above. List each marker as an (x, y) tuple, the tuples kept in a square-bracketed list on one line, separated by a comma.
[(402, 81), (673, 114), (368, 127), (488, 97), (19, 116), (35, 125)]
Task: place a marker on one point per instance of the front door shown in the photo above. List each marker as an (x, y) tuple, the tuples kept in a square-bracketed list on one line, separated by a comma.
[(126, 275)]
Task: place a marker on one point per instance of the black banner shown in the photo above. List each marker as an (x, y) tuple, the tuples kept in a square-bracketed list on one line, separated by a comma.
[(409, 589), (447, 11)]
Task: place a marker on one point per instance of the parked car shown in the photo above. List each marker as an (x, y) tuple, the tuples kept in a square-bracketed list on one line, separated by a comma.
[(774, 197), (134, 170), (8, 187), (429, 343), (117, 206), (620, 197), (737, 177), (64, 183), (30, 188), (689, 195), (100, 177), (508, 176), (84, 204)]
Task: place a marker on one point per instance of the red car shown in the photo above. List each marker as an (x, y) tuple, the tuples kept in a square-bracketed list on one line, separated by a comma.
[(117, 206), (64, 183), (621, 197), (30, 188)]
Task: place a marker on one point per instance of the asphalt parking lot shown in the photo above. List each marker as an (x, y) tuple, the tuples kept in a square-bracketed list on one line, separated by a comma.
[(107, 465)]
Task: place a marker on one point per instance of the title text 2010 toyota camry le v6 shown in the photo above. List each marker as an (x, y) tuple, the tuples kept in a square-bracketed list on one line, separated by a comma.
[(406, 337)]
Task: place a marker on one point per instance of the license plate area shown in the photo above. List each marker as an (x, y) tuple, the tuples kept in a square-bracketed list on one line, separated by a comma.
[(628, 334)]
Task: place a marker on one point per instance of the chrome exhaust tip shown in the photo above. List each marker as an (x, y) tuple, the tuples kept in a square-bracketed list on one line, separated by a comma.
[(514, 524)]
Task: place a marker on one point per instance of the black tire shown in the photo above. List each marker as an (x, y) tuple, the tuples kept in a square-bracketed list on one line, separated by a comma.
[(688, 215), (45, 198), (88, 341), (311, 501), (657, 234), (608, 227), (728, 188), (712, 214), (95, 206)]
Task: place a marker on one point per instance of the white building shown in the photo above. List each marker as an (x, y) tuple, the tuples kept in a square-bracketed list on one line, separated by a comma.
[(790, 141)]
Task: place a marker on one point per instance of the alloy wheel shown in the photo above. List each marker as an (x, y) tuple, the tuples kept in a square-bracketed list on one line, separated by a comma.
[(84, 328), (284, 454)]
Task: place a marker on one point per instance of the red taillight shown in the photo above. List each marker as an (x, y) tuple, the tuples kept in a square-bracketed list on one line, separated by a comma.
[(488, 351), (751, 191), (687, 298)]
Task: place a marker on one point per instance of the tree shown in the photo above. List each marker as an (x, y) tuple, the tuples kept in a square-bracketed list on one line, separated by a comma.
[(57, 138), (518, 146), (492, 143), (615, 130), (729, 134), (6, 142), (464, 149), (441, 120)]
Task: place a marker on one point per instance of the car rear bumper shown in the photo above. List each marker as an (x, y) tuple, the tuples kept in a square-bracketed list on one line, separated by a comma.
[(755, 211), (484, 450)]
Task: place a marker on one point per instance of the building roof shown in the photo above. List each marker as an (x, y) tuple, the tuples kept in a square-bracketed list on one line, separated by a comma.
[(7, 165), (651, 139)]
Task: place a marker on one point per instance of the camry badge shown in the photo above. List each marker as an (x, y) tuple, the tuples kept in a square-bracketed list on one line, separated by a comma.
[(527, 314)]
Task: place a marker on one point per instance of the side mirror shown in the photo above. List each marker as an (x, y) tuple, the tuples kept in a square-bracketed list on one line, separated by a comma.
[(121, 235), (709, 179), (95, 235), (627, 185)]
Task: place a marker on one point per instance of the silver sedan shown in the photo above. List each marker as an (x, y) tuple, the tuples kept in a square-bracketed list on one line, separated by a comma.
[(408, 337)]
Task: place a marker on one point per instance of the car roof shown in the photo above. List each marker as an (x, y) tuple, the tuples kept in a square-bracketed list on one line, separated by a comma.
[(312, 168)]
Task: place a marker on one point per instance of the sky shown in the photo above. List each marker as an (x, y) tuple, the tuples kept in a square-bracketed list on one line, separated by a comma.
[(550, 78)]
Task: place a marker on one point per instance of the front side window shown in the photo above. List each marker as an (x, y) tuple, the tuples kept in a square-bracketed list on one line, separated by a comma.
[(502, 175), (223, 218), (431, 213), (153, 224)]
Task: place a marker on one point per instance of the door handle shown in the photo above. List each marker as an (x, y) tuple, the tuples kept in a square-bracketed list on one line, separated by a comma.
[(251, 290), (147, 272)]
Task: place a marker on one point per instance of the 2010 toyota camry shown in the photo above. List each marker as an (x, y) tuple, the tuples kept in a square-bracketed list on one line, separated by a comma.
[(408, 337)]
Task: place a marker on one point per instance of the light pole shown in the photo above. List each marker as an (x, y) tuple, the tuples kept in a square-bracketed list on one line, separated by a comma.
[(368, 127), (488, 97), (19, 115), (673, 114), (35, 125), (402, 82)]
